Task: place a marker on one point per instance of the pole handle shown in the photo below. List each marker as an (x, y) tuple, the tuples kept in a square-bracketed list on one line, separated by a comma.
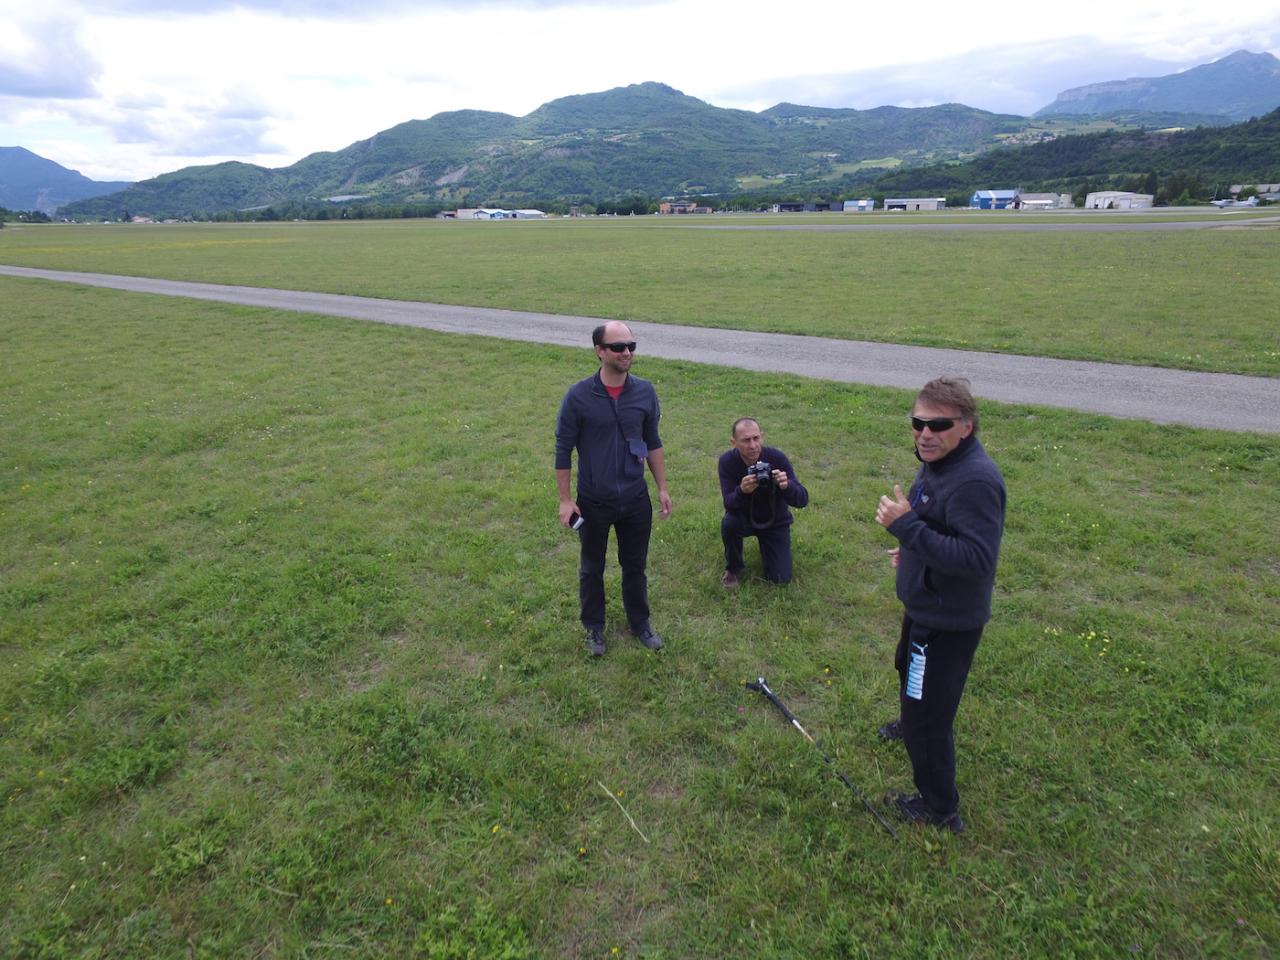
[(762, 687)]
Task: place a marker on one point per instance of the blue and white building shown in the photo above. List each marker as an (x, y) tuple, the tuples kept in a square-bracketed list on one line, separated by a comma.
[(994, 200)]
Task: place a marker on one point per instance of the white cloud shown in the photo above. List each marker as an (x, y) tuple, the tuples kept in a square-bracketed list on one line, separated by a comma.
[(128, 89), (45, 59), (340, 9), (1004, 79)]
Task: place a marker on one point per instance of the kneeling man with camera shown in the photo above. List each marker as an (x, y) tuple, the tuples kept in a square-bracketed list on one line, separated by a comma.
[(759, 487)]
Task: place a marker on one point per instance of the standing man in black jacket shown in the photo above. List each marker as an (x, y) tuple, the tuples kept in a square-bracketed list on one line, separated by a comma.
[(757, 503), (948, 529), (611, 419)]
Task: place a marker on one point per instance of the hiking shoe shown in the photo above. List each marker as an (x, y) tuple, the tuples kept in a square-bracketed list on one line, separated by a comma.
[(649, 638), (730, 579), (891, 730), (913, 809), (595, 643)]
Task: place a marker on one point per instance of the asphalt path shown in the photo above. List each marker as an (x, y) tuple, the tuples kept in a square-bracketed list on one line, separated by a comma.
[(1215, 400)]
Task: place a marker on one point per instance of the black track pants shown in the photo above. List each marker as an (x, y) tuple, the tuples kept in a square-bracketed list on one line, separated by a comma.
[(775, 547), (932, 668)]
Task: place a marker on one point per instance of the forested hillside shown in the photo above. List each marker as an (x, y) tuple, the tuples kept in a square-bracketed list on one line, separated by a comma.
[(1168, 164), (625, 148), (646, 139)]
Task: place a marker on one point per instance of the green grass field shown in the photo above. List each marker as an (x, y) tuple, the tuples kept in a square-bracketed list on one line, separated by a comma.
[(1201, 300), (292, 668)]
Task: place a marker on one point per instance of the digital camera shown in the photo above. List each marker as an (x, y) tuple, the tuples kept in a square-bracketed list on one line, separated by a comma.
[(763, 473)]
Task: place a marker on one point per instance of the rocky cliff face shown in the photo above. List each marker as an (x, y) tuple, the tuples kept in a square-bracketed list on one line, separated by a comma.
[(1236, 87)]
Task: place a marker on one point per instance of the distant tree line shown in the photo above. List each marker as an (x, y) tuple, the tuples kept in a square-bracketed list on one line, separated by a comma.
[(23, 216), (1176, 188), (389, 211), (327, 211), (396, 211)]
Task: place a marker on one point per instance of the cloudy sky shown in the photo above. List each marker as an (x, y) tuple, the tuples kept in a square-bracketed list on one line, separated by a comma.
[(128, 89)]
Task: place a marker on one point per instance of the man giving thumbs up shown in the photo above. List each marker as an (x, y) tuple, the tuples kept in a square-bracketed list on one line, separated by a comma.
[(948, 527)]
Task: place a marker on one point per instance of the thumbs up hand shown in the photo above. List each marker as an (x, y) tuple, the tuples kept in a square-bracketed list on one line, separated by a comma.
[(890, 509)]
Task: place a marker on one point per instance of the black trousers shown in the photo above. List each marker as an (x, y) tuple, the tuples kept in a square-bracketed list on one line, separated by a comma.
[(633, 523), (775, 546), (933, 666)]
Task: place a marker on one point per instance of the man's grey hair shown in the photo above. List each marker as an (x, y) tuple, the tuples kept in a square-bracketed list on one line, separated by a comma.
[(951, 392)]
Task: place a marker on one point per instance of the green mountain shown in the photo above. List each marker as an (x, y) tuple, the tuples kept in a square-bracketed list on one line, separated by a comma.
[(1194, 160), (643, 139), (895, 131), (31, 182), (650, 140), (1238, 86)]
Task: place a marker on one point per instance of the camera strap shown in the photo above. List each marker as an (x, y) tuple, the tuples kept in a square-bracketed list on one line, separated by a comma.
[(622, 432), (773, 507)]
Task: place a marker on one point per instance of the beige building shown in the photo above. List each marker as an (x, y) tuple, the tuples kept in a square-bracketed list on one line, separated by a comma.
[(681, 206), (1118, 200), (1045, 201), (915, 203)]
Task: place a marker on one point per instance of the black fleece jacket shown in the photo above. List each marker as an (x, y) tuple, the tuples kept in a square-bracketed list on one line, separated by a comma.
[(950, 540), (763, 503)]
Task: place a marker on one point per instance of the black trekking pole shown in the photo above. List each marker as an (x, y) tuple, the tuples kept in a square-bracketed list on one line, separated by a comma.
[(761, 687)]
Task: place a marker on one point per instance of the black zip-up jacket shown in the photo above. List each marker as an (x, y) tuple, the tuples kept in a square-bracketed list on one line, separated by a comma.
[(766, 502), (950, 539), (613, 438)]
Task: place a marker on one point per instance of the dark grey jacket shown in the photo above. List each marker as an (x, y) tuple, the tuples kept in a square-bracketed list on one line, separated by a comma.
[(613, 438), (950, 540)]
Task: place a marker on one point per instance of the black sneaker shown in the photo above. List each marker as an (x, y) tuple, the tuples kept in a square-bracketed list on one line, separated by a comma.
[(649, 638), (595, 643), (913, 809), (891, 730)]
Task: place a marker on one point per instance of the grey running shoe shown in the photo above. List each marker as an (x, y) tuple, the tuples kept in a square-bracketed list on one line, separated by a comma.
[(649, 638), (891, 730)]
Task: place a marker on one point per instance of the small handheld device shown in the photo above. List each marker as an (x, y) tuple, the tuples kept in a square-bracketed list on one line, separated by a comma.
[(576, 521)]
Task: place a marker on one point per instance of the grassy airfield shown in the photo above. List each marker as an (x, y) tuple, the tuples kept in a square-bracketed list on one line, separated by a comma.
[(1195, 299), (291, 656)]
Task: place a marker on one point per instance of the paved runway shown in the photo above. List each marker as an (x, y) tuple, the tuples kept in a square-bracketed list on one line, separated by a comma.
[(1215, 400)]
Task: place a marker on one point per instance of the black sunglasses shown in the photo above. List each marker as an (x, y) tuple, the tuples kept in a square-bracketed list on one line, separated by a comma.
[(936, 425), (620, 346)]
